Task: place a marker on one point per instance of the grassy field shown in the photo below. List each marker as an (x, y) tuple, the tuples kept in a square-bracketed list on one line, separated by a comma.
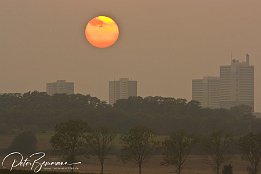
[(5, 171), (196, 164)]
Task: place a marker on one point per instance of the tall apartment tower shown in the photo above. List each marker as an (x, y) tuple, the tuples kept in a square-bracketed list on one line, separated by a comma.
[(121, 89), (206, 91), (237, 84), (60, 87)]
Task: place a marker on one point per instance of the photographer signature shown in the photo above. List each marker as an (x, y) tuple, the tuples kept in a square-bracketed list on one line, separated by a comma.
[(18, 160)]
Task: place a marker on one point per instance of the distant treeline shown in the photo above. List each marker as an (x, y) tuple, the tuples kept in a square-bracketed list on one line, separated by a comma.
[(40, 112)]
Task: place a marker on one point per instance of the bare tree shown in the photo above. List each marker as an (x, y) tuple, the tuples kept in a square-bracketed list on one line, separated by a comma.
[(100, 143), (138, 145), (176, 149), (251, 151), (217, 146)]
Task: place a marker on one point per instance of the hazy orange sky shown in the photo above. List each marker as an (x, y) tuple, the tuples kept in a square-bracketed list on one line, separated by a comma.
[(163, 43)]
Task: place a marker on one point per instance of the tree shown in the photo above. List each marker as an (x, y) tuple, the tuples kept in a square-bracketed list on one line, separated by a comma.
[(24, 143), (217, 146), (100, 143), (227, 169), (33, 110), (69, 139), (242, 110), (176, 149), (251, 151), (138, 145)]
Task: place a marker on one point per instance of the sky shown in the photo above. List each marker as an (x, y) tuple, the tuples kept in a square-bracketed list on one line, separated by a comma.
[(163, 44)]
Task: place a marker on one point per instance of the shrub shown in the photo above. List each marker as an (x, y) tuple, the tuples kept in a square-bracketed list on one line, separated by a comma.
[(24, 143)]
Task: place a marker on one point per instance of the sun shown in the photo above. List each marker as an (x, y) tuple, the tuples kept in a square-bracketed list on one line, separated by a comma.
[(102, 32)]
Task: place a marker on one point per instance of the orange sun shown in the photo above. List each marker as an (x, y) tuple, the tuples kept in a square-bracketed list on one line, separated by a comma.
[(102, 32)]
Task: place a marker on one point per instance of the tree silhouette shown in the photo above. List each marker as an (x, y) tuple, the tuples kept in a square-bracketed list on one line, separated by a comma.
[(251, 151), (25, 143), (138, 145), (69, 139), (100, 144), (217, 146), (176, 149)]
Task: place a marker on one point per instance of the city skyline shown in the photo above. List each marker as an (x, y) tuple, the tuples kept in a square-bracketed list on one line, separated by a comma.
[(207, 97), (210, 91), (163, 46)]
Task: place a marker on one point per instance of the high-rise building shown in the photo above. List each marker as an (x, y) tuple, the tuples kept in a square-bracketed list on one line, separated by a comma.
[(121, 89), (257, 114), (234, 87), (197, 90), (206, 91), (237, 84), (60, 87)]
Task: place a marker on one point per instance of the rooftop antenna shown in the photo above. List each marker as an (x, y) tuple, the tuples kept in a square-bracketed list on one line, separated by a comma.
[(247, 58), (231, 57)]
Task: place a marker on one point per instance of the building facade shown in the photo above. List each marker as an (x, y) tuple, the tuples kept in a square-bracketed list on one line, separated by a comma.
[(237, 84), (257, 115), (234, 87), (60, 87), (121, 89), (206, 91)]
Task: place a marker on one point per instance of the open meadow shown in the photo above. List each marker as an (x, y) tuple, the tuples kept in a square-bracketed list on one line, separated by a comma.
[(196, 164)]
